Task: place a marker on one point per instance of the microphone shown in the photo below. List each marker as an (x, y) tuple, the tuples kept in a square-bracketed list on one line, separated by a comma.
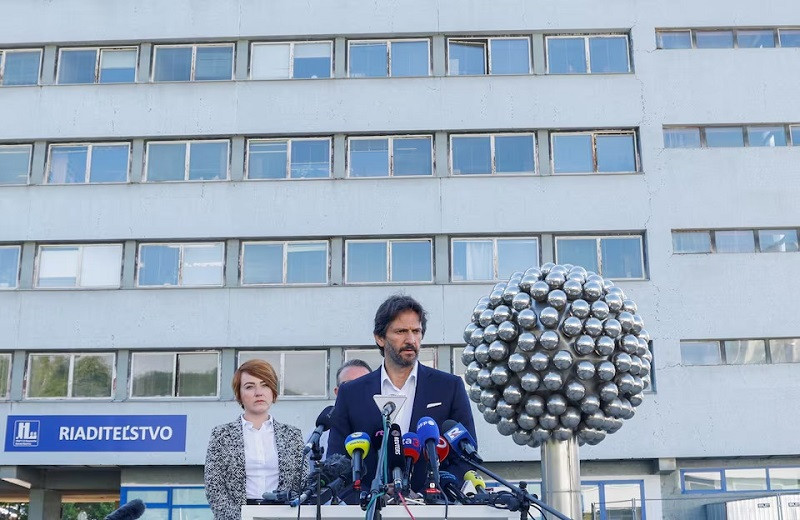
[(428, 432), (357, 446), (130, 511), (411, 451), (461, 442), (332, 469), (277, 497), (476, 480), (388, 408), (451, 488), (442, 449), (323, 423), (394, 454)]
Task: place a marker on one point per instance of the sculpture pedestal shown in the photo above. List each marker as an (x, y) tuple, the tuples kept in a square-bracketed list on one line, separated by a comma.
[(561, 476)]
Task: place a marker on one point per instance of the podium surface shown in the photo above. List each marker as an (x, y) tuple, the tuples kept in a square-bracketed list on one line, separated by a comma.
[(427, 512)]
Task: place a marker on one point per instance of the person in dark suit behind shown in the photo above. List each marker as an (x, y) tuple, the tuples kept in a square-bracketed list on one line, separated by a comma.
[(400, 324), (254, 453)]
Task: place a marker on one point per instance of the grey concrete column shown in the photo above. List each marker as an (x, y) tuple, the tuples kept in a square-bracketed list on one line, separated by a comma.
[(129, 264), (439, 55), (38, 162), (548, 249), (339, 156), (440, 154), (237, 158), (145, 55), (49, 65), (227, 366), (543, 149), (123, 369), (232, 248), (444, 355), (561, 472), (335, 360), (137, 161), (27, 264), (441, 259), (337, 261), (538, 54), (45, 504), (242, 70), (340, 57), (17, 374)]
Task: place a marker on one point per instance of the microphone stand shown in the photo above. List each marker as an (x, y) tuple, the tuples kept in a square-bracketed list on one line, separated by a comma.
[(374, 501), (520, 493), (316, 457)]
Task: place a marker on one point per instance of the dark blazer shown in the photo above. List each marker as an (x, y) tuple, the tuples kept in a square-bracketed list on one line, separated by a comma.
[(439, 395), (225, 478)]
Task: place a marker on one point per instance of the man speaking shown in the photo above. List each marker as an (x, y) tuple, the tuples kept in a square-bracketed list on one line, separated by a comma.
[(400, 324)]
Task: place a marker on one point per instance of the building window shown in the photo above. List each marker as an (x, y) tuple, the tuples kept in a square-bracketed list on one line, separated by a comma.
[(736, 241), (777, 240), (612, 499), (382, 261), (75, 375), (784, 350), (187, 160), (755, 38), (79, 266), (193, 62), (480, 56), (700, 353), (729, 136), (740, 351), (594, 152), (9, 266), (766, 135), (758, 38), (301, 373), (674, 39), (276, 263), (20, 66), (682, 137), (789, 37), (307, 158), (384, 58), (97, 65), (181, 264), (427, 356), (15, 164), (88, 163), (492, 154), (170, 503), (601, 54), (291, 60), (713, 39), (487, 259), (691, 241), (732, 480), (397, 156), (174, 374), (5, 376), (615, 257)]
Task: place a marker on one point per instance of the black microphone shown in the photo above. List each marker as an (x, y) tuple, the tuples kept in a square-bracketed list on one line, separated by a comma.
[(461, 442), (334, 467), (388, 408), (323, 424), (277, 497), (130, 511), (451, 489), (394, 454)]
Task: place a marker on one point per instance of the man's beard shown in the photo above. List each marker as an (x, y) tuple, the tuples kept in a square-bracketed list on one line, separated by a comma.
[(397, 357)]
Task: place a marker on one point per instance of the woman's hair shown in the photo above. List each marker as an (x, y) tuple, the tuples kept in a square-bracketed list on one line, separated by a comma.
[(256, 368)]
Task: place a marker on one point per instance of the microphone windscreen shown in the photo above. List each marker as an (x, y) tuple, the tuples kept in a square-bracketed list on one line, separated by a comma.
[(130, 511), (442, 449), (448, 424), (324, 418), (357, 441), (411, 446), (456, 434), (475, 479), (427, 430), (395, 447)]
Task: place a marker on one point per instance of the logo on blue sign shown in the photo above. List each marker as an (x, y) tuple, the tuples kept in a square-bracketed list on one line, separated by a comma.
[(26, 434)]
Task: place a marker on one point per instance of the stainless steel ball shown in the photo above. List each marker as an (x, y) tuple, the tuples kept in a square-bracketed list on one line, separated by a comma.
[(501, 313), (517, 362), (636, 365), (526, 342), (626, 320), (511, 291), (600, 310), (530, 381), (555, 280), (552, 381), (490, 397), (507, 331), (526, 421), (534, 405), (490, 415), (605, 370), (593, 327), (549, 317), (612, 328), (482, 353), (604, 346), (513, 394), (612, 409), (505, 409), (490, 333), (638, 323), (580, 309), (484, 378), (629, 343), (545, 268), (549, 340), (507, 426), (557, 299), (526, 319), (556, 404), (471, 372), (572, 326), (469, 330), (475, 392), (539, 291), (500, 375), (585, 370), (562, 433), (608, 392), (540, 434), (614, 302), (467, 355), (575, 391), (548, 421), (486, 317), (521, 437), (539, 361), (496, 297), (571, 418), (477, 337), (584, 345), (622, 362), (592, 290), (590, 404), (562, 360), (526, 282), (521, 301), (629, 305), (498, 350), (573, 289), (635, 399)]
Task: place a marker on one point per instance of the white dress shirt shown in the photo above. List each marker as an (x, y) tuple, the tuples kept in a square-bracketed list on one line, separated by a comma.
[(260, 458), (403, 417)]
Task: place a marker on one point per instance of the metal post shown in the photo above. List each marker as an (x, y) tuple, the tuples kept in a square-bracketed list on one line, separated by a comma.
[(561, 476)]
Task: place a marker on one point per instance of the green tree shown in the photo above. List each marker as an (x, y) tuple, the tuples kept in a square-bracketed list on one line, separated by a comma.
[(93, 510)]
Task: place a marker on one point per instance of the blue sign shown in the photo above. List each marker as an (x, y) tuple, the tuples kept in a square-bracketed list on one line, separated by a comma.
[(96, 433)]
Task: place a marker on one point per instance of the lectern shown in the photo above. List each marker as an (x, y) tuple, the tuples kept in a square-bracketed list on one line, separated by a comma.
[(427, 512)]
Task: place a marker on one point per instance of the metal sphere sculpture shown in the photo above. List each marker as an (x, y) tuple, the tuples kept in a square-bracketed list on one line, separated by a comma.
[(554, 352)]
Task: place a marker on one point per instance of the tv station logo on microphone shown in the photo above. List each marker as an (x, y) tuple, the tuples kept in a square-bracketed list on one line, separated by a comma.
[(26, 434), (454, 433)]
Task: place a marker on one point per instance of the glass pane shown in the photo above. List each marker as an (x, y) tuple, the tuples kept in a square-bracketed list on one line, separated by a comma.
[(674, 39), (794, 130), (513, 154), (784, 478), (516, 255), (109, 163), (305, 373), (700, 353), (467, 58), (312, 60), (5, 373), (681, 138), (192, 513), (745, 352), (262, 263), (15, 164), (702, 481), (735, 241), (306, 262), (9, 267), (101, 266), (411, 261), (411, 156), (67, 164), (755, 38), (509, 56), (266, 160), (369, 157), (608, 54), (197, 375), (691, 241), (173, 64), (48, 375), (166, 162), (788, 37), (188, 496), (369, 60), (92, 375), (616, 153), (311, 158), (472, 155), (566, 56), (158, 265), (155, 514), (58, 266), (21, 68), (472, 260), (786, 350), (202, 265), (149, 497), (77, 66), (623, 501), (366, 262), (754, 479), (117, 66), (370, 356), (714, 39), (766, 136), (621, 257), (590, 500), (152, 375), (718, 137), (578, 251), (410, 58), (782, 240), (208, 161), (270, 61), (572, 153), (213, 63)]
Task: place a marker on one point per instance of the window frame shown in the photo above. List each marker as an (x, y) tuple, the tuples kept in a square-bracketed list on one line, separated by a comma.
[(193, 67), (389, 42), (285, 252), (169, 506), (5, 393), (492, 136), (776, 35), (281, 370), (70, 375), (586, 52), (174, 389), (97, 63), (289, 141), (724, 480), (182, 246), (87, 175), (594, 134), (19, 267), (4, 52), (723, 357), (291, 44), (79, 267), (187, 157), (487, 57), (30, 162), (388, 243), (495, 255), (390, 152), (598, 249)]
